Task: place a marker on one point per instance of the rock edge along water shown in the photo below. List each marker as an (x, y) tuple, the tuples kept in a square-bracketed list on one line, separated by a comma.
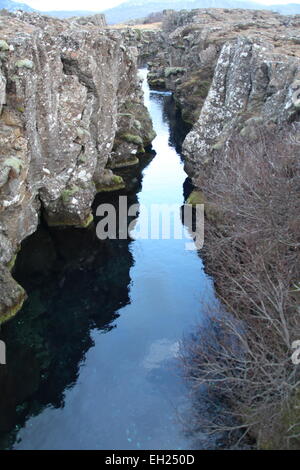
[(64, 87)]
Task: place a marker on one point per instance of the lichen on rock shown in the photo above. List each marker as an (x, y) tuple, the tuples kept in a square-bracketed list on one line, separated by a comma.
[(110, 182), (12, 295)]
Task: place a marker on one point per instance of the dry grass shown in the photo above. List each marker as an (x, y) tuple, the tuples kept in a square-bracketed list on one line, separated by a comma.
[(146, 27)]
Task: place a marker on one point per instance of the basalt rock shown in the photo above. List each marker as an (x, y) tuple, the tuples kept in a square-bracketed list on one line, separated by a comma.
[(253, 86), (186, 51), (63, 85), (12, 295)]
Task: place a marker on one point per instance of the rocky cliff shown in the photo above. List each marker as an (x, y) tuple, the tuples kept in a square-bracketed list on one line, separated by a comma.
[(186, 51), (71, 109), (254, 86), (243, 157), (231, 71)]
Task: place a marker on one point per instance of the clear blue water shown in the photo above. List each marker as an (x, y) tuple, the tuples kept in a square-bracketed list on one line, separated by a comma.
[(96, 346)]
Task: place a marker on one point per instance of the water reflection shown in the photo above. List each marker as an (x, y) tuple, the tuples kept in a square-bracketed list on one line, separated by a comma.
[(92, 358), (75, 283)]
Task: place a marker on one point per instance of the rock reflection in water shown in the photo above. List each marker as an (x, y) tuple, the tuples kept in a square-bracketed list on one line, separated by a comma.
[(75, 283)]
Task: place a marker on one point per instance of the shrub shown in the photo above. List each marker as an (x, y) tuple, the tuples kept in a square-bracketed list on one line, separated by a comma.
[(254, 258)]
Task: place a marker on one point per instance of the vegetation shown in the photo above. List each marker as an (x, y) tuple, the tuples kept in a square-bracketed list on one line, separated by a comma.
[(24, 63), (115, 184), (133, 139), (174, 71), (68, 193), (243, 355)]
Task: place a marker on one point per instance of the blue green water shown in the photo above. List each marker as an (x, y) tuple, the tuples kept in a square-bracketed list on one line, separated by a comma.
[(92, 359)]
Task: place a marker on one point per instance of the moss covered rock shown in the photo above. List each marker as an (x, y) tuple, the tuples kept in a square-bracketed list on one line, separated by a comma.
[(14, 164), (125, 163), (3, 45), (196, 197), (110, 182), (12, 295), (174, 71), (25, 64), (133, 139)]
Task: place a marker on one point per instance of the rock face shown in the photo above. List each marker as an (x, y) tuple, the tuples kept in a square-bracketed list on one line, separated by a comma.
[(253, 86), (185, 53), (231, 71), (72, 109), (63, 90)]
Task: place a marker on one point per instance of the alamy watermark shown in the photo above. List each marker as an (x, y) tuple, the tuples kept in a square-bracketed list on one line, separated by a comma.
[(153, 222), (2, 353)]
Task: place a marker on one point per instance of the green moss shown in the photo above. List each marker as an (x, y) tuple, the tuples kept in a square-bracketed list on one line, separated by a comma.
[(137, 124), (82, 133), (115, 184), (138, 34), (68, 193), (3, 45), (151, 136), (117, 179), (196, 197), (174, 71), (87, 222), (151, 75), (157, 83), (12, 311), (15, 78), (69, 223), (212, 212), (133, 139), (218, 145), (12, 262), (15, 163), (24, 63), (125, 163), (82, 158)]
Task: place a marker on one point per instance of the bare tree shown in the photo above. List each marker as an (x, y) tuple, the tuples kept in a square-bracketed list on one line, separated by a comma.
[(252, 249)]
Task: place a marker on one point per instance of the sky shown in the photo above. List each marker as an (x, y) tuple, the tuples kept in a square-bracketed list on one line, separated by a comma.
[(88, 5), (99, 5)]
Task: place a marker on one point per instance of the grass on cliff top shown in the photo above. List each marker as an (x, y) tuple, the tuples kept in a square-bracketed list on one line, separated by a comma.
[(145, 27)]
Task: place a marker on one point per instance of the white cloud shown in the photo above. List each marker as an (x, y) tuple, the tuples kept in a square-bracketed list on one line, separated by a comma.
[(92, 5), (278, 2)]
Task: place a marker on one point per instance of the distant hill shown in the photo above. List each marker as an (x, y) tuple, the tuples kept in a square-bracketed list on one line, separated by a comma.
[(70, 13), (289, 9), (133, 9), (14, 6)]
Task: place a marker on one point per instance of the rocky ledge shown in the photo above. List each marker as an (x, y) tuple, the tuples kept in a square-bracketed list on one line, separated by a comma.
[(185, 52), (71, 111), (253, 86)]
